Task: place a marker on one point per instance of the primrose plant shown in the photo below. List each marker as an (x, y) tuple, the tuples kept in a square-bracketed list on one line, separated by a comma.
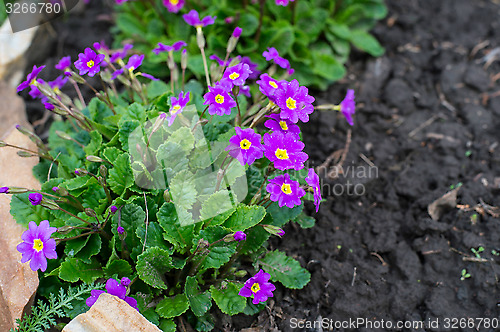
[(168, 192)]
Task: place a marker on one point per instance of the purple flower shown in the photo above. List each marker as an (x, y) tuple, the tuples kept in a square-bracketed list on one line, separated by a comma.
[(268, 86), (30, 78), (294, 101), (120, 2), (116, 288), (167, 48), (237, 32), (113, 209), (258, 286), (282, 125), (285, 191), (239, 236), (35, 198), (149, 76), (348, 106), (55, 189), (218, 99), (58, 83), (120, 230), (134, 62), (245, 90), (48, 106), (64, 64), (37, 245), (284, 150), (254, 73), (173, 6), (193, 18), (283, 2), (89, 62), (219, 60), (236, 75), (281, 232), (101, 46), (119, 55), (4, 190), (35, 92), (312, 179), (272, 54), (178, 105), (245, 146)]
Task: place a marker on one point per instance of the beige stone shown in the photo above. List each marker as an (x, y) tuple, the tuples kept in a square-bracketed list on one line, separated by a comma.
[(110, 313), (18, 283), (12, 110)]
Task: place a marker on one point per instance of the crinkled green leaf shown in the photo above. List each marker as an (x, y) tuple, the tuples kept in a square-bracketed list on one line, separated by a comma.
[(227, 299), (366, 42), (285, 270), (152, 265), (245, 217), (180, 236), (154, 236), (305, 221), (91, 248), (218, 203), (73, 269), (200, 302), (168, 325), (118, 266), (121, 176), (183, 189), (132, 217), (171, 307), (172, 158), (24, 212), (184, 137)]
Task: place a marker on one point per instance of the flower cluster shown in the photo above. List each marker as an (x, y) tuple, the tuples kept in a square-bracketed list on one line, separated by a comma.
[(116, 288)]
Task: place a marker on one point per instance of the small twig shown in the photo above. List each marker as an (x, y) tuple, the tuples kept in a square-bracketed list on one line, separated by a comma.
[(353, 277), (52, 164), (423, 125), (147, 222)]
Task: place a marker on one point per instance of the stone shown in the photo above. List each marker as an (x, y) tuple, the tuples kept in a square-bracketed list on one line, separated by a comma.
[(18, 283), (12, 53), (110, 313), (12, 109)]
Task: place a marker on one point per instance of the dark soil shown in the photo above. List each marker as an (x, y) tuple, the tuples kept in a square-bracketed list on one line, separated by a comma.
[(425, 119)]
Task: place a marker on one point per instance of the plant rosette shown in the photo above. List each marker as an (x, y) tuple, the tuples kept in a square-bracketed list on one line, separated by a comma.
[(162, 191)]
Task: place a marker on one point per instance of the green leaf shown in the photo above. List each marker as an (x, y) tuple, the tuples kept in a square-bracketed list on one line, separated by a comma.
[(156, 89), (98, 110), (245, 217), (340, 30), (91, 248), (218, 203), (218, 254), (180, 236), (199, 302), (184, 137), (24, 212), (154, 236), (168, 325), (305, 221), (132, 217), (172, 158), (183, 189), (152, 265), (121, 176), (281, 215), (249, 22), (73, 269), (95, 143), (366, 42), (285, 270), (227, 299), (126, 128), (326, 66), (171, 307), (118, 266)]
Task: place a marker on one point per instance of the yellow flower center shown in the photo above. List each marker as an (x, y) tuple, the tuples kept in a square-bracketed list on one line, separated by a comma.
[(286, 188), (33, 82), (234, 76), (38, 245), (219, 99), (245, 144), (283, 125), (57, 90), (255, 287), (291, 103), (91, 63), (273, 84), (281, 154), (175, 109), (174, 2)]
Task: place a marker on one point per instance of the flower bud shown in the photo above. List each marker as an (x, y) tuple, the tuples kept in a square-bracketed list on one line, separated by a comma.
[(200, 38), (80, 172), (77, 78), (240, 273), (90, 213), (113, 209), (103, 171), (184, 59), (64, 229), (94, 159), (17, 190), (25, 154), (49, 204), (63, 135), (2, 144), (166, 196), (274, 230), (4, 190)]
